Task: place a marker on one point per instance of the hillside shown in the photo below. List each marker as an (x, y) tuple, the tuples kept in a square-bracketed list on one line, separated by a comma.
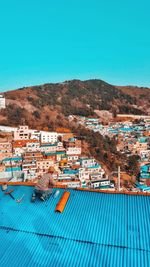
[(141, 94), (47, 107), (49, 104)]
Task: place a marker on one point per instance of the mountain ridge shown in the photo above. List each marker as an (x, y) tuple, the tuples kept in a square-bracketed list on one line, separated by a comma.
[(50, 104)]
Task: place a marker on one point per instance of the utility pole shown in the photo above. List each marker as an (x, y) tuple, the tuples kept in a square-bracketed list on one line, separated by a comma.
[(118, 178)]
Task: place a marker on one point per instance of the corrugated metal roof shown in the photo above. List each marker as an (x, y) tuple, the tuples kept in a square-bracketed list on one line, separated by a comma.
[(12, 169), (12, 159), (95, 229)]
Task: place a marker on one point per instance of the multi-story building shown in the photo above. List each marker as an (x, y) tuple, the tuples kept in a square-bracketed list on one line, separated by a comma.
[(73, 151), (22, 146), (43, 165), (72, 158), (5, 150), (97, 176), (22, 133), (100, 183), (5, 147), (87, 162), (12, 162), (47, 148), (49, 137), (35, 134), (72, 142), (32, 146), (32, 156)]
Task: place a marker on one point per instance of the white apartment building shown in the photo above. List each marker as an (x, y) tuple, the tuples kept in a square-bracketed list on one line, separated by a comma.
[(97, 176), (34, 134), (73, 151), (47, 148), (2, 102), (83, 175), (73, 157), (22, 133), (49, 137), (87, 162), (100, 183)]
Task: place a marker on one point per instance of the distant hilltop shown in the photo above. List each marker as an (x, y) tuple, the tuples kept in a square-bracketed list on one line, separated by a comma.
[(50, 104)]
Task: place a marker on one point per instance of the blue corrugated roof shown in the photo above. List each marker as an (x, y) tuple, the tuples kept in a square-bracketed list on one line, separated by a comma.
[(12, 169), (95, 166), (129, 129), (48, 145), (12, 159), (145, 168), (70, 171), (142, 139), (95, 229), (145, 175)]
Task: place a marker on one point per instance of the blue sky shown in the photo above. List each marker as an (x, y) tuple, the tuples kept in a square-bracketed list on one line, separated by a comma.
[(56, 40)]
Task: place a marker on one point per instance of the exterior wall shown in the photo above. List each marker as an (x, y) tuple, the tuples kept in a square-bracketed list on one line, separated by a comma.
[(87, 162), (64, 176), (98, 184), (49, 137), (59, 156), (141, 146), (32, 156), (5, 147), (12, 163), (18, 151), (66, 136), (44, 164), (51, 157), (32, 147), (22, 133), (35, 134), (2, 168), (83, 175), (97, 176), (7, 129), (94, 170), (72, 184), (73, 157), (48, 148), (19, 175), (73, 151), (28, 168), (75, 143), (2, 102)]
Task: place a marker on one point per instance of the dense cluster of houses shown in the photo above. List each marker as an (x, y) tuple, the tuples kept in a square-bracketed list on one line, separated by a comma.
[(26, 154), (133, 139)]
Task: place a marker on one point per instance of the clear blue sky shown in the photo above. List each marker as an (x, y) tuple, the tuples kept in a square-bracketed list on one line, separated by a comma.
[(56, 40)]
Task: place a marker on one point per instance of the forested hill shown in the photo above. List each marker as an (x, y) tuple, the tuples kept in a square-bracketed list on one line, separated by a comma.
[(47, 107), (50, 104)]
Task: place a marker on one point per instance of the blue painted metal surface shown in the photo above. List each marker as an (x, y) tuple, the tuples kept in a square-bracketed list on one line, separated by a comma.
[(13, 169), (95, 229), (13, 159)]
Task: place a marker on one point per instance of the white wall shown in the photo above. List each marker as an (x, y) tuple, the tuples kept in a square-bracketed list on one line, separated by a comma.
[(49, 137)]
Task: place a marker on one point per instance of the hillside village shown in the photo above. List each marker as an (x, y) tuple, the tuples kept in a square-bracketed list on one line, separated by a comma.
[(133, 140), (25, 154)]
